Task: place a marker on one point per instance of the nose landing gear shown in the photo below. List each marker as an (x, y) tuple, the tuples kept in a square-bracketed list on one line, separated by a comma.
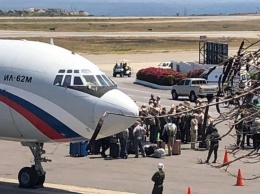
[(34, 176)]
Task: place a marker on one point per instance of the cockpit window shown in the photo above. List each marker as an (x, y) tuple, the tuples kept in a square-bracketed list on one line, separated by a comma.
[(76, 71), (101, 80), (58, 80), (69, 71), (86, 71), (111, 81), (107, 80), (77, 81), (61, 71), (67, 80), (91, 80)]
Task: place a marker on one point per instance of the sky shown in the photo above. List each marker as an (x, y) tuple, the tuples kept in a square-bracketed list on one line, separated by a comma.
[(138, 7)]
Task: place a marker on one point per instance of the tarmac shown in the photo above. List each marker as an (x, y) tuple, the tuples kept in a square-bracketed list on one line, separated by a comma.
[(95, 175)]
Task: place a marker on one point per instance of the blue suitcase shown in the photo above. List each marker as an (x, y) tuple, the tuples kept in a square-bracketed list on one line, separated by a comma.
[(78, 149)]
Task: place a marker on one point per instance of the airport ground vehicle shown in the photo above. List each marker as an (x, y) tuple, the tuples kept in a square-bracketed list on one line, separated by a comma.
[(122, 67), (194, 88)]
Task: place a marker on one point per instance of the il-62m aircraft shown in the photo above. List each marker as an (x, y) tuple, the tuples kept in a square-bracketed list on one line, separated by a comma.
[(50, 94)]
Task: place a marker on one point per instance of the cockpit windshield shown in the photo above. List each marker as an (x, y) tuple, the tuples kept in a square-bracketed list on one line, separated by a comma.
[(101, 80), (91, 80), (107, 80)]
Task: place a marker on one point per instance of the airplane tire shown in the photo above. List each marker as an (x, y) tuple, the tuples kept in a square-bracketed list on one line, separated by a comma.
[(27, 177), (41, 180)]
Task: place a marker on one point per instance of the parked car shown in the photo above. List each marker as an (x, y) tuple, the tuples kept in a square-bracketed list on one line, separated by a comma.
[(193, 88), (122, 68)]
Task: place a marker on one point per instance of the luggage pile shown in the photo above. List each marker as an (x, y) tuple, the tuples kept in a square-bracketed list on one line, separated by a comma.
[(78, 149)]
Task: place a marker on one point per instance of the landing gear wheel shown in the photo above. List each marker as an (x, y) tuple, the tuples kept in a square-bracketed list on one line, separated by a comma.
[(33, 177), (174, 95), (114, 75), (40, 181), (121, 74), (193, 97), (27, 177), (129, 75)]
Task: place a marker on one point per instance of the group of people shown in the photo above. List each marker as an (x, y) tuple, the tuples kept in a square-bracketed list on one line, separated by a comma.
[(188, 123)]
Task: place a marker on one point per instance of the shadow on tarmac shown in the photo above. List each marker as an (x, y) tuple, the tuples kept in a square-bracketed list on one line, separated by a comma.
[(12, 188)]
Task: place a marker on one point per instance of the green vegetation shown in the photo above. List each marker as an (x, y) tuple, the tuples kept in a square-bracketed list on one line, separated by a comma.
[(128, 45)]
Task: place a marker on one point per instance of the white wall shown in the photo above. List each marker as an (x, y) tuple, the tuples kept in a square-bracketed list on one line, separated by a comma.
[(185, 67)]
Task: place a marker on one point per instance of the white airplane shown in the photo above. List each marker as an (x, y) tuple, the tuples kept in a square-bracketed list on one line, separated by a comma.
[(50, 94)]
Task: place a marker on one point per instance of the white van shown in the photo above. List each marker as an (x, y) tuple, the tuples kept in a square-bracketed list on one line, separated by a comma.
[(242, 80), (165, 65)]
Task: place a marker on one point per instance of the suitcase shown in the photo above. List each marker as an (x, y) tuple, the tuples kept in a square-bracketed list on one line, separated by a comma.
[(78, 149), (95, 148), (161, 144), (114, 150), (176, 149), (202, 144), (113, 140), (130, 147)]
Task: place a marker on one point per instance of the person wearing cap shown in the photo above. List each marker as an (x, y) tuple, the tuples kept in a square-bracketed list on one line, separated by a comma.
[(152, 99), (158, 100), (193, 131), (138, 143), (185, 131), (214, 139), (170, 129), (158, 179)]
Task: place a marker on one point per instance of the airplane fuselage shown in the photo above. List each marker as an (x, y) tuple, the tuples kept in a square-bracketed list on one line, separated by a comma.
[(48, 93)]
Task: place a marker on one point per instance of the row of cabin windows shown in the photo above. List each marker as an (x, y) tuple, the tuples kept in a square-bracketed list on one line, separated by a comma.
[(77, 81)]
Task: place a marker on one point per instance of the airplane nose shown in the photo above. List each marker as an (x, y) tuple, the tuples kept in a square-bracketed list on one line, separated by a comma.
[(115, 101)]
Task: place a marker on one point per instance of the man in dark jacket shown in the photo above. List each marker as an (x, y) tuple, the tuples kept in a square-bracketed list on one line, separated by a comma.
[(158, 179), (214, 143)]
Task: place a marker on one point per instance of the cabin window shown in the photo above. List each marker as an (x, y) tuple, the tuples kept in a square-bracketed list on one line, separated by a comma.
[(77, 81), (91, 80), (58, 80), (101, 80), (67, 80)]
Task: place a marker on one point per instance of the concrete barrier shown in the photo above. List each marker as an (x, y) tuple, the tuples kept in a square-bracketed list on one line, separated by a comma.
[(152, 85)]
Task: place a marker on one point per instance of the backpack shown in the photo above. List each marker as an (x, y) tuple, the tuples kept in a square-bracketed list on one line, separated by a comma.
[(150, 149), (170, 130)]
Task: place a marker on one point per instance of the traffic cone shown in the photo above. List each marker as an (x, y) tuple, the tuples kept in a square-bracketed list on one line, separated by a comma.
[(225, 157), (239, 179), (189, 191)]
